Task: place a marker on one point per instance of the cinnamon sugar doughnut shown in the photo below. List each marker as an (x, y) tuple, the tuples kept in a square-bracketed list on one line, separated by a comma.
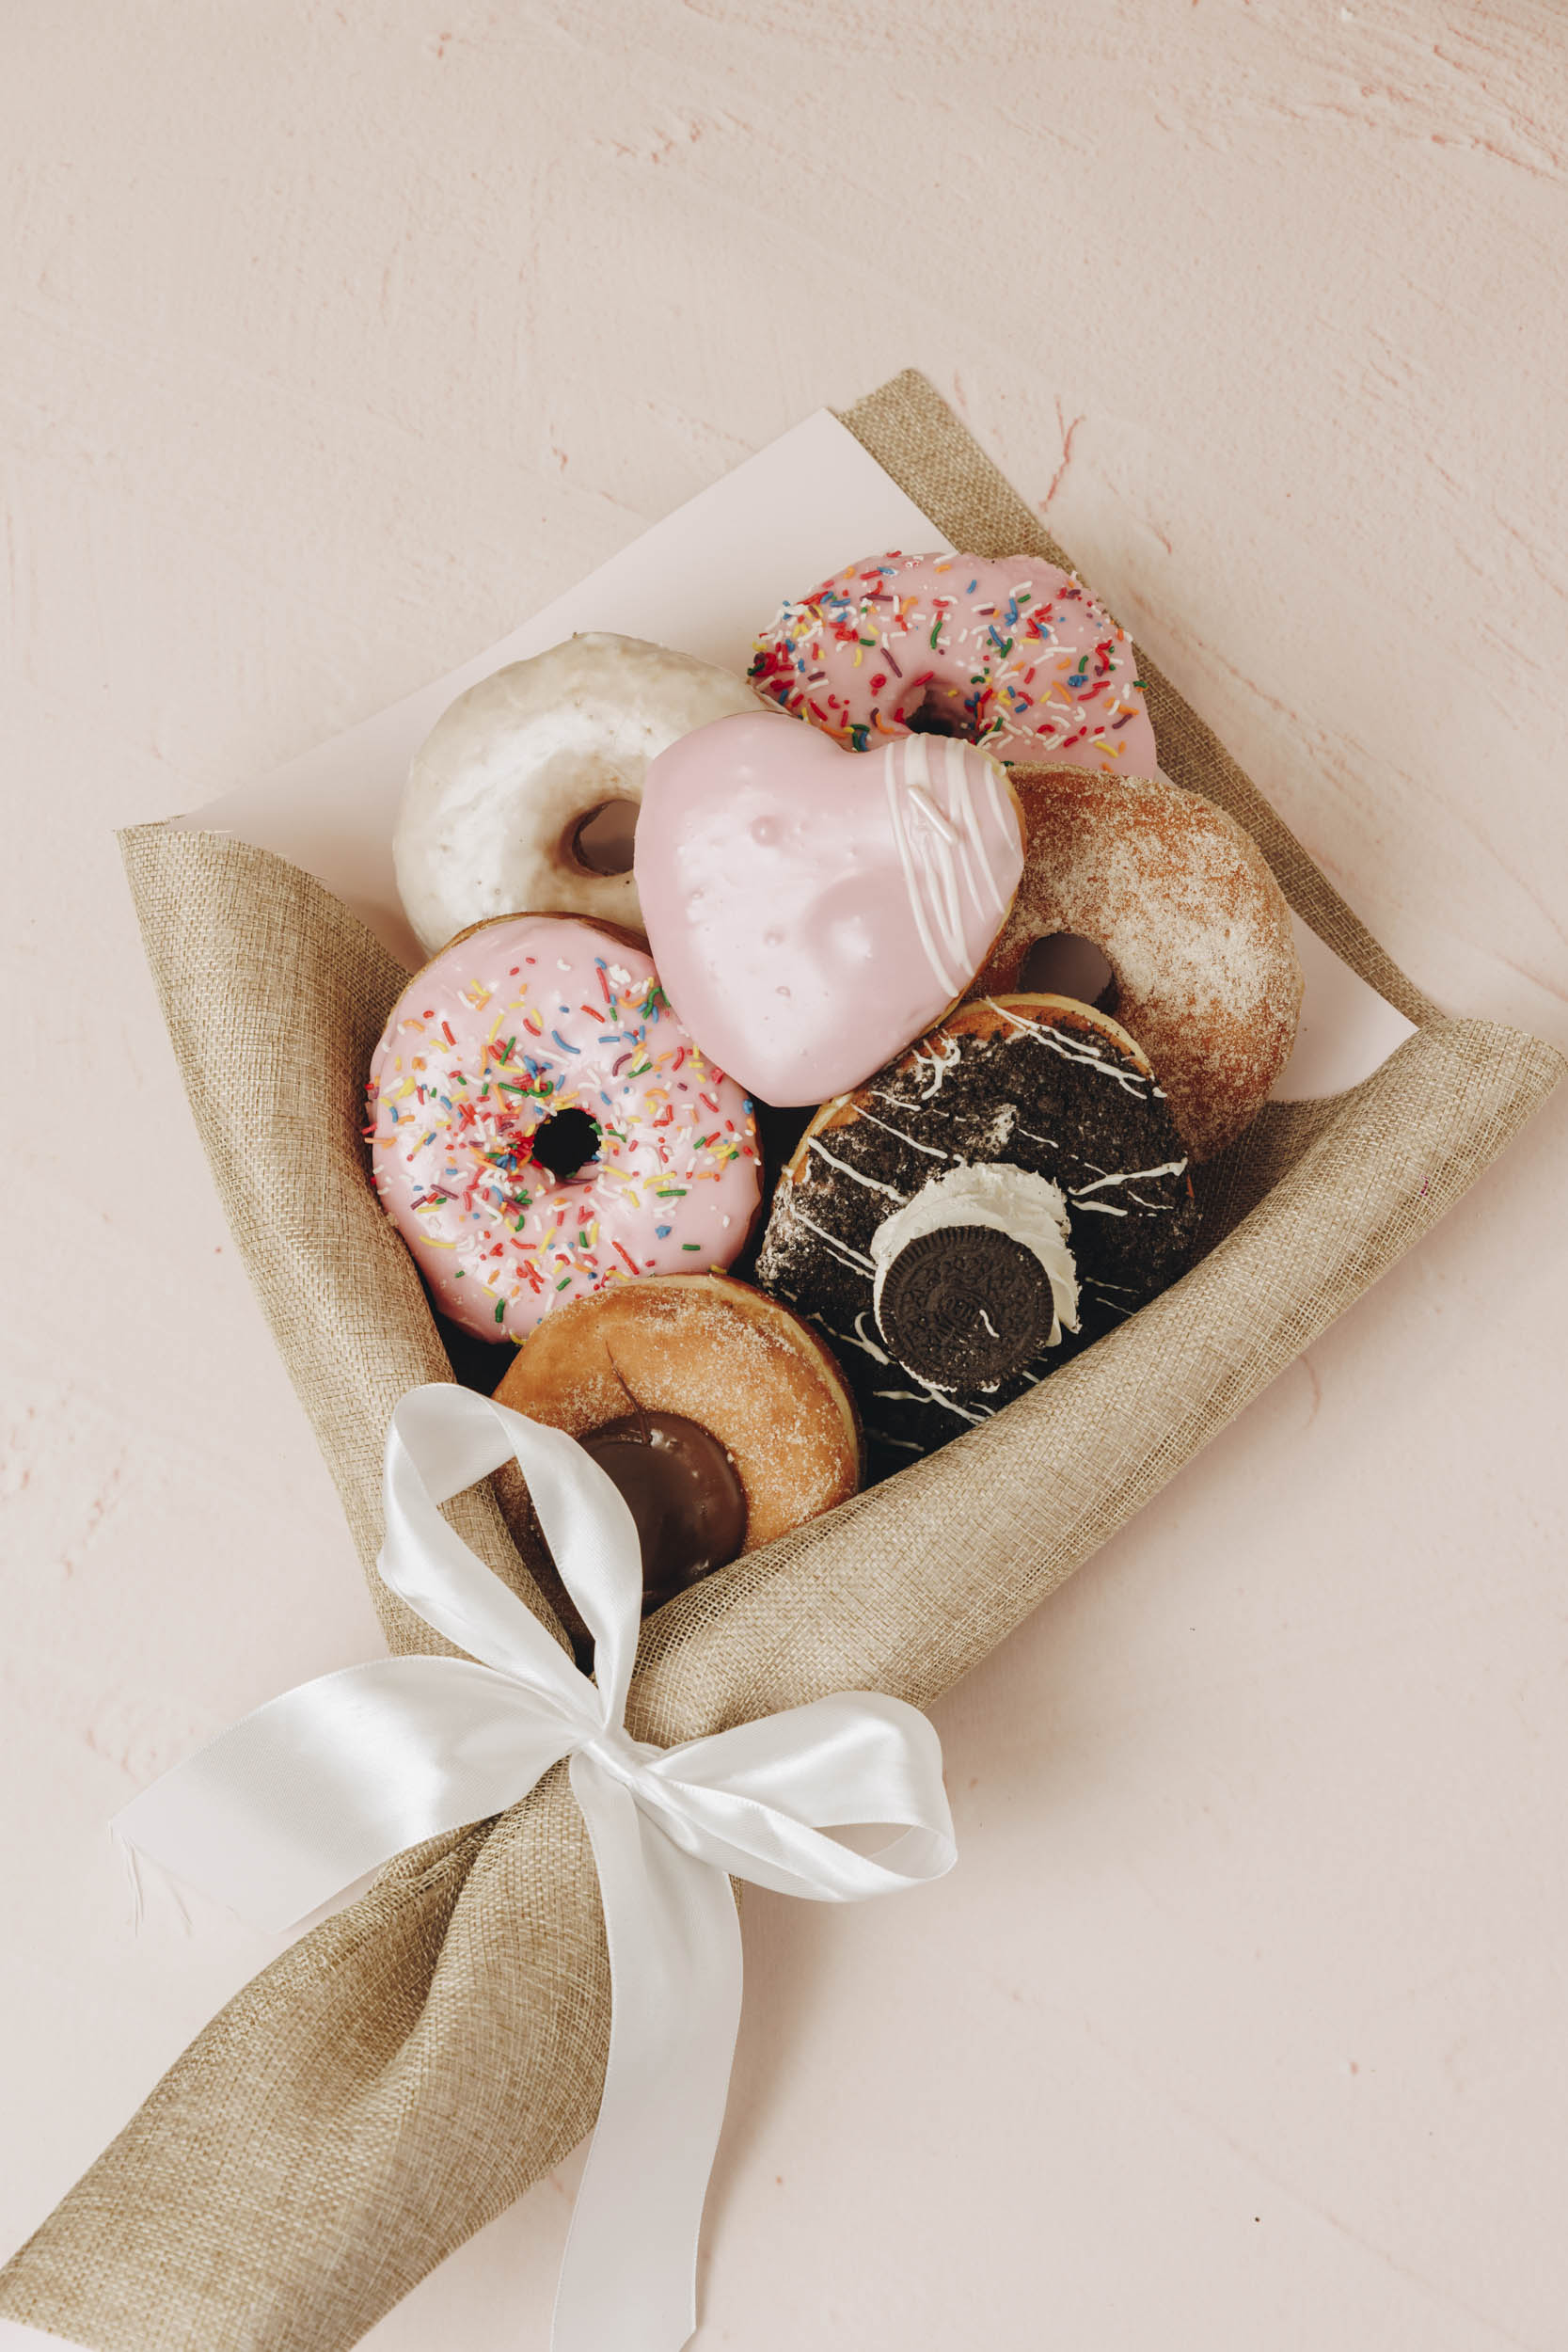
[(722, 1419), (1191, 921)]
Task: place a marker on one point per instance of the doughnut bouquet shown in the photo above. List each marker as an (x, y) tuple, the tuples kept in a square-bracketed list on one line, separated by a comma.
[(840, 1099), (670, 908)]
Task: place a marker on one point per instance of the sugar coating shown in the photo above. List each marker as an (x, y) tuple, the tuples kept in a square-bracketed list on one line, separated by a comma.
[(718, 1353), (1191, 920), (1009, 652), (509, 1027)]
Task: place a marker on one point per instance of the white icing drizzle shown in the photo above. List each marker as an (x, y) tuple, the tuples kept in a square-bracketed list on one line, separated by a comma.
[(870, 1345), (945, 1054), (958, 771), (963, 810), (1129, 1176), (858, 1339), (926, 1394), (872, 1184), (844, 1251), (912, 882), (994, 795), (1079, 1193), (1130, 1081), (930, 1150), (936, 846)]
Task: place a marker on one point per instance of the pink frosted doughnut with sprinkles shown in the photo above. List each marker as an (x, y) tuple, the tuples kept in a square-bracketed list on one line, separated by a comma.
[(540, 1124), (1008, 652)]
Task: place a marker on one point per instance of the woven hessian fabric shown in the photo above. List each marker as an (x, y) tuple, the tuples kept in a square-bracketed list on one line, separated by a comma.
[(405, 2070)]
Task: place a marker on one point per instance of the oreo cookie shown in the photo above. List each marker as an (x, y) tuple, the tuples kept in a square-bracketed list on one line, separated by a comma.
[(965, 1307)]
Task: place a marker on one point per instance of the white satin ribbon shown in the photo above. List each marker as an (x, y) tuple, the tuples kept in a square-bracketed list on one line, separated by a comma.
[(278, 1814)]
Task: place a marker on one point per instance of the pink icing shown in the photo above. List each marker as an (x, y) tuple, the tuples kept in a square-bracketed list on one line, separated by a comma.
[(813, 912), (522, 1020), (1010, 652)]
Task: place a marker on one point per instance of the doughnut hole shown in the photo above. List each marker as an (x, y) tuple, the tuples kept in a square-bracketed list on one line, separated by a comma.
[(929, 718), (565, 1142), (602, 840), (1067, 964)]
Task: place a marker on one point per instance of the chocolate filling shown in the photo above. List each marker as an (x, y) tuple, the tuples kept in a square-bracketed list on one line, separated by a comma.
[(683, 1492)]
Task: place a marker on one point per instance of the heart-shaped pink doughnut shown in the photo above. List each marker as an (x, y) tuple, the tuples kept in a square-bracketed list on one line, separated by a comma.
[(813, 911)]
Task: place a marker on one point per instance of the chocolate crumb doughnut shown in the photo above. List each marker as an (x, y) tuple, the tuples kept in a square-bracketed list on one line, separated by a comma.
[(1191, 919), (1005, 1194), (722, 1419)]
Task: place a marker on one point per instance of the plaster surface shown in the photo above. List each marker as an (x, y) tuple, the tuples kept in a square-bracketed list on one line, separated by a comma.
[(338, 341)]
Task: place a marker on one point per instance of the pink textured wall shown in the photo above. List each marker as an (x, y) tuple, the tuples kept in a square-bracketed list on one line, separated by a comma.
[(336, 340)]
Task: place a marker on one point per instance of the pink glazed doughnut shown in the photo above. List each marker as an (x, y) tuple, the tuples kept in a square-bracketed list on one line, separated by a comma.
[(813, 912), (1008, 652), (540, 1124)]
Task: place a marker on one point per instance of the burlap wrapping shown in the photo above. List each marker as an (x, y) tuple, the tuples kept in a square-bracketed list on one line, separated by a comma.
[(405, 2070)]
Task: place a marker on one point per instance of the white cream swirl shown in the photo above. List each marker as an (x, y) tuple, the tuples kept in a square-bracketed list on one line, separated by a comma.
[(1028, 1209)]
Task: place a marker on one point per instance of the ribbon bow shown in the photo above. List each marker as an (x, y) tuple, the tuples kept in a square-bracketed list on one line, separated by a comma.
[(285, 1809)]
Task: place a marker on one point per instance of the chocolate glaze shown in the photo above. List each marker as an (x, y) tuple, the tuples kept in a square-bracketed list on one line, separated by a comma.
[(1050, 1091), (682, 1489)]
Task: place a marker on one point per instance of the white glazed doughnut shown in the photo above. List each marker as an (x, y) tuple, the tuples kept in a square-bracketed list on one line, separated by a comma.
[(511, 778)]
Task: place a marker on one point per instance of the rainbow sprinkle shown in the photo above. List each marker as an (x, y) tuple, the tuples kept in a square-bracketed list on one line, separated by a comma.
[(451, 1124), (1038, 671)]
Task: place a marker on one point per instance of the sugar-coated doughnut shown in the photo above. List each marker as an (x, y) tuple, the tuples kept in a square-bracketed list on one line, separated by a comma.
[(1009, 652), (1191, 921), (524, 795), (812, 912), (721, 1417), (1007, 1192), (541, 1125)]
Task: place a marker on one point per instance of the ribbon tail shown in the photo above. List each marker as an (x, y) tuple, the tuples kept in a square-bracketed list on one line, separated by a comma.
[(283, 1810), (628, 2277)]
